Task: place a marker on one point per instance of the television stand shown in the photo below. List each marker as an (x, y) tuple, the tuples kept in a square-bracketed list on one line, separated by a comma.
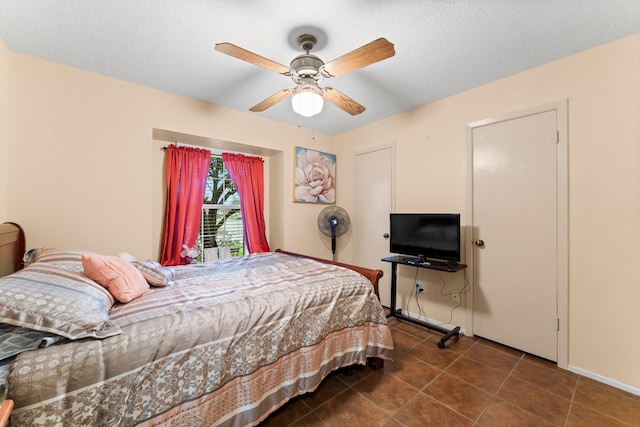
[(432, 264), (421, 263)]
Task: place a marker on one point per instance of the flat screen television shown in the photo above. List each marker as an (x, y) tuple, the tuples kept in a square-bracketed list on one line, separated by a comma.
[(430, 237)]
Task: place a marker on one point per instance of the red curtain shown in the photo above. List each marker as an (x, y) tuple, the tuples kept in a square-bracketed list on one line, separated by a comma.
[(247, 175), (187, 170)]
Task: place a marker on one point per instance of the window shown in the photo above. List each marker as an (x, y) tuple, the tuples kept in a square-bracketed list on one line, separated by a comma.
[(221, 224)]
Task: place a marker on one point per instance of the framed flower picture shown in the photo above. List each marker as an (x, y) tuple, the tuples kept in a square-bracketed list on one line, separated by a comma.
[(314, 177)]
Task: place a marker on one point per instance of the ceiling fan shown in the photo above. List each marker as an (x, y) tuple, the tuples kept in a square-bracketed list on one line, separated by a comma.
[(306, 70)]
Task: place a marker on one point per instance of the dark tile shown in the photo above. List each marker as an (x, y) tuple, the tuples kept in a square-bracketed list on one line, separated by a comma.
[(391, 321), (459, 395), (429, 352), (289, 413), (609, 388), (329, 388), (504, 414), (424, 411), (488, 379), (386, 391), (403, 342), (609, 401), (413, 371), (357, 373), (545, 404), (501, 347), (392, 423), (492, 357), (581, 416), (547, 376), (415, 330), (351, 408), (544, 363), (311, 420)]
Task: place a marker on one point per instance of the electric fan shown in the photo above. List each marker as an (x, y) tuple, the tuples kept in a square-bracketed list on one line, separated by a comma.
[(333, 221)]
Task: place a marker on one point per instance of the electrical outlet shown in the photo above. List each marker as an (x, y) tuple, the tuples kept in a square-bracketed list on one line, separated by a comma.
[(420, 287), (455, 297)]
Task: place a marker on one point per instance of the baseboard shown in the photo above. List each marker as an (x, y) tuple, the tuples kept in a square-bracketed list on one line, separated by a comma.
[(605, 380), (446, 326)]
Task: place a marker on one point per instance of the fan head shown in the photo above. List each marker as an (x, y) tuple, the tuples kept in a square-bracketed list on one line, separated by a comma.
[(333, 221)]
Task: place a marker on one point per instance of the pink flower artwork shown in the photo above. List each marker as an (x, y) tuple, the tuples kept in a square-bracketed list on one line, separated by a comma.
[(315, 176)]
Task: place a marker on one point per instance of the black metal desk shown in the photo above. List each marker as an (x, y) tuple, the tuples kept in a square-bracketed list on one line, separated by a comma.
[(405, 260)]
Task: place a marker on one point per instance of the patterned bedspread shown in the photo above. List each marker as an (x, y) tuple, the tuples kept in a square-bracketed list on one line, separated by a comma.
[(226, 344)]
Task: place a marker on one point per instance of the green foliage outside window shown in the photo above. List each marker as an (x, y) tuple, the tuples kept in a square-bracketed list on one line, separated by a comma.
[(221, 223)]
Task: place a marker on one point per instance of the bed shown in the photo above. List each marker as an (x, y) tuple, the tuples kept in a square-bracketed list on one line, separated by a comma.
[(223, 343)]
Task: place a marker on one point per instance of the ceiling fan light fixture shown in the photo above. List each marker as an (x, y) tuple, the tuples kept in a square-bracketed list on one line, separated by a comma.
[(307, 103)]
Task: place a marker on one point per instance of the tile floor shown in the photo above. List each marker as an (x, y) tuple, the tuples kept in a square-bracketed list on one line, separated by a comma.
[(472, 382)]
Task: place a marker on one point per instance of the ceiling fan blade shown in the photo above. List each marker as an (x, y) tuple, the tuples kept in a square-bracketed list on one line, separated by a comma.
[(342, 101), (368, 54), (272, 100), (252, 58)]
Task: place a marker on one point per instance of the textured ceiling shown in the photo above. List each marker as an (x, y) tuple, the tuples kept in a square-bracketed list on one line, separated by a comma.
[(442, 47)]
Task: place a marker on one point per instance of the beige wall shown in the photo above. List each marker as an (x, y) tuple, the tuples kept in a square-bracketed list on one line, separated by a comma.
[(4, 100), (84, 166), (602, 86), (84, 169)]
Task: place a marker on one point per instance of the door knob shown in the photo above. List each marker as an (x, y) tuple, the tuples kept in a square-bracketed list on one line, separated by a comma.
[(385, 235), (479, 243)]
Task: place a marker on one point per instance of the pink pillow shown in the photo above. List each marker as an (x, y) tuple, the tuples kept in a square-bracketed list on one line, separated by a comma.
[(121, 278)]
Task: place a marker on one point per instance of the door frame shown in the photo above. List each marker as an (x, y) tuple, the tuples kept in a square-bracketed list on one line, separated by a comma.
[(562, 206)]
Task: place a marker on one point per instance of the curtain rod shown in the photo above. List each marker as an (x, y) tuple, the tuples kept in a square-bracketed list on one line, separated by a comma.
[(185, 145), (166, 147), (248, 155)]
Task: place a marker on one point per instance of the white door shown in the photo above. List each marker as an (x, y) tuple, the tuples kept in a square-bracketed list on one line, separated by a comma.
[(373, 204), (515, 215)]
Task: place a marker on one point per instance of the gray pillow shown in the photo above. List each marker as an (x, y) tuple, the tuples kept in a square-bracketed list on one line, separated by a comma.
[(50, 298), (154, 273), (69, 259)]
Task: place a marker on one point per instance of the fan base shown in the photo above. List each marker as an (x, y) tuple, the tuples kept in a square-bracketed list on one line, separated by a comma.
[(317, 33)]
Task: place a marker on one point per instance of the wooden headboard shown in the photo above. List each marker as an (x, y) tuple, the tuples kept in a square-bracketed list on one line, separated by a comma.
[(12, 246)]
